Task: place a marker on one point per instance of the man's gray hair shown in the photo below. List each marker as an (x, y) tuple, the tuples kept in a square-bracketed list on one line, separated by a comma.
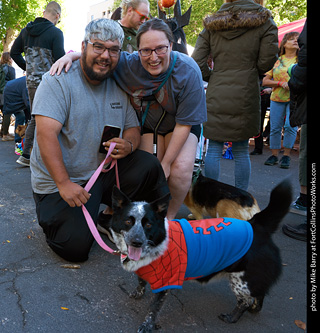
[(104, 29)]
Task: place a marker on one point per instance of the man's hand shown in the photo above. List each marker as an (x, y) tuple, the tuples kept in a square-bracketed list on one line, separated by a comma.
[(121, 150), (73, 194), (126, 145)]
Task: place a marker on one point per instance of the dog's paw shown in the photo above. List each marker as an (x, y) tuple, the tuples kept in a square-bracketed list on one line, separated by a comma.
[(146, 327), (256, 305), (137, 293), (227, 318)]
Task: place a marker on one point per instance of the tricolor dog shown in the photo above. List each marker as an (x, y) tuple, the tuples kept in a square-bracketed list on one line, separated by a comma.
[(209, 197), (166, 253)]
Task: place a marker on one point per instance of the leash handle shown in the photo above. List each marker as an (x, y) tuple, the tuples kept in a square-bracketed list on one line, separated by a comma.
[(96, 174), (92, 180)]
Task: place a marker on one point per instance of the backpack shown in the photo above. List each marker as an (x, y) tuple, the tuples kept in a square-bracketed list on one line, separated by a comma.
[(3, 73)]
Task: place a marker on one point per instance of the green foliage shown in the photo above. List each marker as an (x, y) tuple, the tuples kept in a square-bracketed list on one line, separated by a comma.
[(200, 9), (14, 15), (284, 11)]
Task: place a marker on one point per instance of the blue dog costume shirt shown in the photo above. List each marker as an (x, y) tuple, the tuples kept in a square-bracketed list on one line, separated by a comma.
[(197, 249)]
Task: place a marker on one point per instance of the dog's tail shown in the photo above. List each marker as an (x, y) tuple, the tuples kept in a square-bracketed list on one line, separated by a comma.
[(278, 207)]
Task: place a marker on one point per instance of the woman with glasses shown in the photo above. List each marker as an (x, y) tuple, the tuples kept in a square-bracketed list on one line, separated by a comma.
[(166, 90)]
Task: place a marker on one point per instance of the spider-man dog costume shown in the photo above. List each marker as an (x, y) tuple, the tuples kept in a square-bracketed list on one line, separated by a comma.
[(197, 249), (167, 253)]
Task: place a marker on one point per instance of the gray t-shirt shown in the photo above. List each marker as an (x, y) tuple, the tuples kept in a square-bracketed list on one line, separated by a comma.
[(83, 109)]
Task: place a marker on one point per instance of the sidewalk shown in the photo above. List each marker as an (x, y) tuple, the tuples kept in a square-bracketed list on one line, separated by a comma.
[(38, 294)]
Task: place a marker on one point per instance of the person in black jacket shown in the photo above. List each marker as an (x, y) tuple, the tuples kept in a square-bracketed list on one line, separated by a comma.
[(42, 43), (298, 117)]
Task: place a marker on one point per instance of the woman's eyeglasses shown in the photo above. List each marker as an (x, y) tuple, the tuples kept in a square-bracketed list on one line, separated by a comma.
[(159, 50), (99, 49), (142, 17)]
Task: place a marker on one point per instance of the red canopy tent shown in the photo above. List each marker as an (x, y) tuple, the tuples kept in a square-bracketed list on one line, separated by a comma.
[(292, 26)]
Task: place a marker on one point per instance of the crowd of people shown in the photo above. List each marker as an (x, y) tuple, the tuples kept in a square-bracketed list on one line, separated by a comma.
[(156, 97)]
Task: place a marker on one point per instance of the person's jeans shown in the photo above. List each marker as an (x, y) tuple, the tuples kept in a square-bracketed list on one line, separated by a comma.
[(242, 167), (20, 119), (279, 118)]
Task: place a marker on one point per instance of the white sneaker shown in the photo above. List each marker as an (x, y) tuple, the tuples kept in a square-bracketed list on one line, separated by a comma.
[(23, 161)]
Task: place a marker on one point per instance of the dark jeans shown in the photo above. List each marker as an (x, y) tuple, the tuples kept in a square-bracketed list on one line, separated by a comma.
[(28, 144), (67, 233), (258, 141)]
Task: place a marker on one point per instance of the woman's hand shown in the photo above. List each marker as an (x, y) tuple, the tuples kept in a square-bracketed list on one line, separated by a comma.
[(166, 169), (64, 62), (284, 85)]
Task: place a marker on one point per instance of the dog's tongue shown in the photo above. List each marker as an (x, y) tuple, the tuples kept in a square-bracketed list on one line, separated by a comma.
[(134, 253)]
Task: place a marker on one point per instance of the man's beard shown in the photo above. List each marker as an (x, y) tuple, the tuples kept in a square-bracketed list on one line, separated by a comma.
[(92, 75)]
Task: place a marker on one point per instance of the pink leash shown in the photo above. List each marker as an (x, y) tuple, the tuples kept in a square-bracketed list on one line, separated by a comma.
[(92, 180)]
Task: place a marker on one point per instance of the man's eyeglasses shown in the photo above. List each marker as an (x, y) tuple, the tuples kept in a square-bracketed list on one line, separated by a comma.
[(99, 49), (142, 17), (159, 50)]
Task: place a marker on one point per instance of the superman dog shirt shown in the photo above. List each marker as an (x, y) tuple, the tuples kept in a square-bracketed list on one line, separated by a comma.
[(197, 249)]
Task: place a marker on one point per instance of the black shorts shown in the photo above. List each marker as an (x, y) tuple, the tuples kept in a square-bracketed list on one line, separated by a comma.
[(195, 129), (67, 233)]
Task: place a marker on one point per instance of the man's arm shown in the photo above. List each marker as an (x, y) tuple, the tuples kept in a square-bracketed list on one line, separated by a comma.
[(16, 52), (58, 46), (48, 130)]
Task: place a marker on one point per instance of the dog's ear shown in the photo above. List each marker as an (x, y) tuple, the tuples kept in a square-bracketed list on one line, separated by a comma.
[(160, 206), (119, 199)]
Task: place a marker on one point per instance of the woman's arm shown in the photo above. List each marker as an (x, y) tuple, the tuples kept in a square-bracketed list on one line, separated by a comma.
[(268, 82), (64, 62), (178, 139)]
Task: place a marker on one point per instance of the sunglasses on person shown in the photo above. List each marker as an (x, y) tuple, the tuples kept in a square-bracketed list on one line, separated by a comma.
[(142, 17)]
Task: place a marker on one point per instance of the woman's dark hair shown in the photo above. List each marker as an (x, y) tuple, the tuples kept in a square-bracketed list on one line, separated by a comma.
[(155, 24), (5, 58), (286, 37)]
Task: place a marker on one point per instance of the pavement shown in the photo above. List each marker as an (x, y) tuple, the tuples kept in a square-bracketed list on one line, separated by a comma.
[(40, 292)]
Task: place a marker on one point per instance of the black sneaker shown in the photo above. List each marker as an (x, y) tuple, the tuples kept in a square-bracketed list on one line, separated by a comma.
[(299, 232), (272, 160), (103, 225), (256, 151), (285, 162), (297, 207)]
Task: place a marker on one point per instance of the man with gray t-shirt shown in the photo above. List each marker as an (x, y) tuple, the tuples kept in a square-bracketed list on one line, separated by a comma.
[(71, 111)]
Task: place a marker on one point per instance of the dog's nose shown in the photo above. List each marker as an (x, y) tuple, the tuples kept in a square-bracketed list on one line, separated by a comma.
[(136, 243)]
